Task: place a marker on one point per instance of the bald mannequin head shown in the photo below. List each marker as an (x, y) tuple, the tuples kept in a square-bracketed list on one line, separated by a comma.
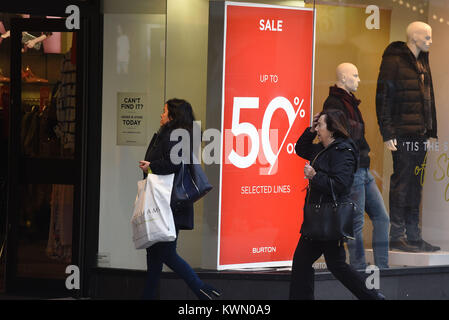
[(348, 77), (419, 37)]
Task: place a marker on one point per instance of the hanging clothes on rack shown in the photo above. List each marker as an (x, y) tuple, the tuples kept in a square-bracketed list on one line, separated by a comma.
[(4, 102), (66, 105), (4, 133), (49, 142), (29, 132), (59, 245)]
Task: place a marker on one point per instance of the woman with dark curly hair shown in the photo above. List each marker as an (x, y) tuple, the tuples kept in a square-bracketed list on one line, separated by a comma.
[(177, 114)]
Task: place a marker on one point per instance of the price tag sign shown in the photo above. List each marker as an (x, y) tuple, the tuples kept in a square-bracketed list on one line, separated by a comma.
[(267, 93)]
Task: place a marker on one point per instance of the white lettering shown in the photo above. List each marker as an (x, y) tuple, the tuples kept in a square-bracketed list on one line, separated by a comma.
[(372, 281), (206, 311), (211, 151), (373, 21), (242, 309), (263, 250), (73, 21), (270, 25), (73, 280)]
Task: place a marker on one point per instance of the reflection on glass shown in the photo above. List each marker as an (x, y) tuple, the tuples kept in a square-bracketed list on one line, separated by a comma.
[(122, 51), (47, 128), (45, 230)]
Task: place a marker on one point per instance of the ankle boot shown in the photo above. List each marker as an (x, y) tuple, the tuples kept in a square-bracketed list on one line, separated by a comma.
[(424, 246), (402, 245), (207, 291)]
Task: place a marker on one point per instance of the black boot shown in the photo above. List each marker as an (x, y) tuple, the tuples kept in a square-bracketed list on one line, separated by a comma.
[(424, 246), (380, 296), (402, 245), (207, 291)]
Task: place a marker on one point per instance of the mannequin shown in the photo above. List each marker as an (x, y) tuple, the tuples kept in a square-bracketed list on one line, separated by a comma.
[(406, 115), (364, 191), (347, 77), (419, 38)]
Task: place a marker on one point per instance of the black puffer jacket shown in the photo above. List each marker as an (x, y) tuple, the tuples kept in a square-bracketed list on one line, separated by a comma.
[(405, 102), (337, 162), (158, 154)]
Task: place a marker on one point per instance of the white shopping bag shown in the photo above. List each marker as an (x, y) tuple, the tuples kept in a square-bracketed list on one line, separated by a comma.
[(152, 219)]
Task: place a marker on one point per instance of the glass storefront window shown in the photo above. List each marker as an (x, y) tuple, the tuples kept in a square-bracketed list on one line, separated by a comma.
[(376, 39), (133, 71), (152, 55)]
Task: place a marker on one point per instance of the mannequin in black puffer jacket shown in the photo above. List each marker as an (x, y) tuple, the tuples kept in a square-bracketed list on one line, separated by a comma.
[(405, 107), (405, 102)]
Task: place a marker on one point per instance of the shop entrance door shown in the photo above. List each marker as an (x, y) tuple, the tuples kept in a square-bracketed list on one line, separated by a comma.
[(44, 158), (5, 83)]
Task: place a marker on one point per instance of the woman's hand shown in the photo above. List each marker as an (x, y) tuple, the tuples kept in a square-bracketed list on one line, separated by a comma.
[(30, 44), (309, 171), (144, 166), (315, 122)]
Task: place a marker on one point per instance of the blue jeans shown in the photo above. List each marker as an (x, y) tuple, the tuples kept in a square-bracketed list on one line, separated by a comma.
[(165, 252), (367, 197)]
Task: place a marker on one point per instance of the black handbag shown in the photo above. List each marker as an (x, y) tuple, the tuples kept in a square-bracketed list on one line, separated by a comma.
[(328, 221), (189, 185)]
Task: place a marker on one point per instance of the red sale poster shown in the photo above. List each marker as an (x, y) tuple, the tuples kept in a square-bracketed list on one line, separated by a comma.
[(267, 93)]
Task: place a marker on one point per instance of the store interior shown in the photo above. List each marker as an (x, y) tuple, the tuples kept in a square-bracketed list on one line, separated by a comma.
[(47, 124)]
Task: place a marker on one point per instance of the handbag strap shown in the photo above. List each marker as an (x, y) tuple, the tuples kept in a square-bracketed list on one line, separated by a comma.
[(332, 191), (310, 186), (334, 197)]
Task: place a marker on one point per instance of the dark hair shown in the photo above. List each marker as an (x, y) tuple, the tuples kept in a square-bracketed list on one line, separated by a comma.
[(180, 113), (336, 122)]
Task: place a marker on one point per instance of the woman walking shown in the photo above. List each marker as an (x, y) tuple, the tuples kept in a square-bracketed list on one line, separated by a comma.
[(177, 114), (334, 158)]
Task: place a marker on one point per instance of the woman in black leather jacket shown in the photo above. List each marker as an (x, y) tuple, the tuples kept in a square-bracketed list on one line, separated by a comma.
[(177, 114), (335, 158)]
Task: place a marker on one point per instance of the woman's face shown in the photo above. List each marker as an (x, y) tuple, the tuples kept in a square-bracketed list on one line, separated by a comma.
[(324, 135), (164, 116)]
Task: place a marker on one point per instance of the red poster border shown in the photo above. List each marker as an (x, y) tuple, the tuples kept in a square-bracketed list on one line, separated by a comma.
[(287, 263)]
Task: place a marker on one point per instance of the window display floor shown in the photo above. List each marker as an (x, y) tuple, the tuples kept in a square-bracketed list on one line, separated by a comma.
[(413, 259)]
